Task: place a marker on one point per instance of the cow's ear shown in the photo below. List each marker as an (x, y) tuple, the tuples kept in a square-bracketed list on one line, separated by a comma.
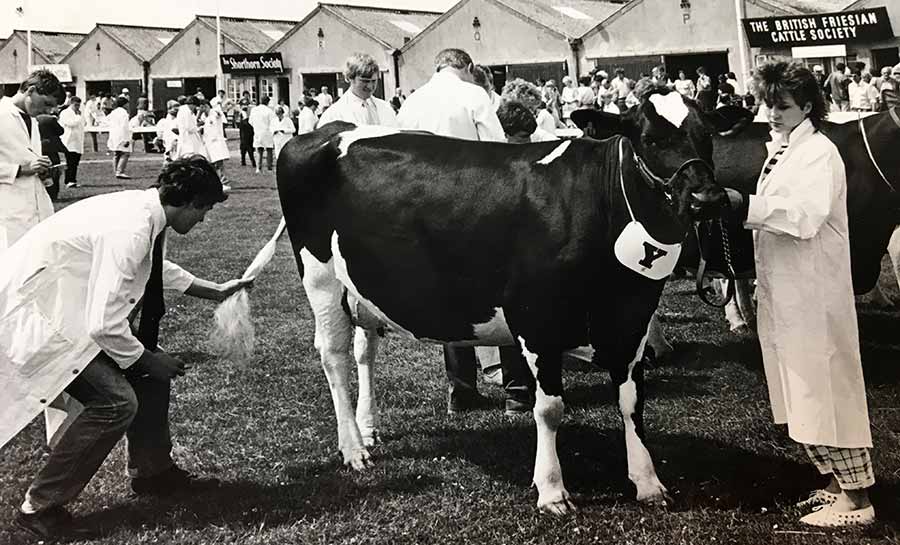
[(728, 120), (597, 124)]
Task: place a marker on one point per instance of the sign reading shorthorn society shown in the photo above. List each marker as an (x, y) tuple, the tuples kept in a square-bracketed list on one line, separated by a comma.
[(865, 25), (252, 63)]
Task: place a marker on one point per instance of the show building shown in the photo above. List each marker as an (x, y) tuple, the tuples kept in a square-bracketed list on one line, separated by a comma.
[(315, 51), (48, 49)]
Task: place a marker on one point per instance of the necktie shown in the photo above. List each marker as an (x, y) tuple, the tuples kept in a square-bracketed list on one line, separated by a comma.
[(153, 306), (773, 161), (371, 112)]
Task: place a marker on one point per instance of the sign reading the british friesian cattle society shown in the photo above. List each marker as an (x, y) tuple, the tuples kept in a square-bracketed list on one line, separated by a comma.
[(252, 63), (865, 25)]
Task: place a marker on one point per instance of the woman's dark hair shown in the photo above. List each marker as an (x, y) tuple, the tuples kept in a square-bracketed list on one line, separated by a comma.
[(121, 102), (516, 118), (190, 180), (774, 80)]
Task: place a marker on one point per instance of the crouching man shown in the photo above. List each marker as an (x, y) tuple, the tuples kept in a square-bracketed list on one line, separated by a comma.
[(67, 289)]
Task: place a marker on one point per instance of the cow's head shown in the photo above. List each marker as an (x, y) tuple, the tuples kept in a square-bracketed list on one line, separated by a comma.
[(672, 138)]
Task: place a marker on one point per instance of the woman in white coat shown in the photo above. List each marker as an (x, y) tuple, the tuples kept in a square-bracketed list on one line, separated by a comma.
[(807, 318), (189, 140), (214, 138), (282, 129), (119, 140)]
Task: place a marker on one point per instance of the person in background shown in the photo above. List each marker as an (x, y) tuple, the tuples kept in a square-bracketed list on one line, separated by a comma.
[(620, 84), (837, 84), (660, 77), (706, 95), (214, 140), (731, 79), (165, 132), (397, 100), (685, 86), (325, 100), (283, 129), (608, 105), (518, 125), (244, 102), (726, 95), (821, 79), (306, 119), (545, 120), (190, 141), (872, 92), (858, 93), (52, 146), (90, 264), (246, 135), (144, 118), (631, 99), (569, 99), (119, 139), (550, 97), (93, 115), (72, 120), (528, 94), (358, 105), (200, 96), (586, 96), (890, 89), (218, 100), (807, 316), (262, 118)]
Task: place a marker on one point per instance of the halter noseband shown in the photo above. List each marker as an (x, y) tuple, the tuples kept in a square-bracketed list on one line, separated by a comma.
[(666, 184)]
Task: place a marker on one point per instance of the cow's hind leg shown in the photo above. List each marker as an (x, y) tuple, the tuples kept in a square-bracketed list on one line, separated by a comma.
[(630, 389), (365, 347), (553, 498), (333, 339)]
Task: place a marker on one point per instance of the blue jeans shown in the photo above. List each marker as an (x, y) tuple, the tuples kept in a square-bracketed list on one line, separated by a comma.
[(115, 404)]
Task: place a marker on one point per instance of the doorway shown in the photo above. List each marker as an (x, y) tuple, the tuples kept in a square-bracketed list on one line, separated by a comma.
[(716, 64), (884, 57), (313, 83)]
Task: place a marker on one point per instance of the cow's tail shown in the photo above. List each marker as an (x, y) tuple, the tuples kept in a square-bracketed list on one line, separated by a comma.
[(233, 336)]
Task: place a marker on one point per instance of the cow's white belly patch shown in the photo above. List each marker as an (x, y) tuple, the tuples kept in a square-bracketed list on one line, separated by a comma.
[(556, 153), (495, 331), (361, 133)]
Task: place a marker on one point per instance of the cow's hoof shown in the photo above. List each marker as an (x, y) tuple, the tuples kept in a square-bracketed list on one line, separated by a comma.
[(657, 497), (560, 505), (359, 459), (371, 438)]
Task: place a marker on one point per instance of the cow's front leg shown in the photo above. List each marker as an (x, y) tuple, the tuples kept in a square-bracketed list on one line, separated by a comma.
[(365, 347), (553, 498), (657, 338), (630, 390), (333, 339)]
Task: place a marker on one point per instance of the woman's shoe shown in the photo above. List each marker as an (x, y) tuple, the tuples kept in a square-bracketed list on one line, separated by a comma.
[(826, 517)]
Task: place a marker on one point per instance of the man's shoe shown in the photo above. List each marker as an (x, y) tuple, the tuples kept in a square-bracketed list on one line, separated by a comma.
[(515, 407), (469, 402), (123, 176), (172, 481), (70, 185), (53, 523)]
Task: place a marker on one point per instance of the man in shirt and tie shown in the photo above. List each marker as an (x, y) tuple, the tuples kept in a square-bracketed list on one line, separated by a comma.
[(68, 290), (357, 105)]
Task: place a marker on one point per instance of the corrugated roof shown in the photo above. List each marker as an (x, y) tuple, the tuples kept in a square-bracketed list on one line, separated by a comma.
[(390, 26), (253, 35), (573, 18), (51, 45), (143, 42)]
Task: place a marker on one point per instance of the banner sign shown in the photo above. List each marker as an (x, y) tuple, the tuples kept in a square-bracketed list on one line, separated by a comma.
[(865, 25), (252, 63), (61, 71)]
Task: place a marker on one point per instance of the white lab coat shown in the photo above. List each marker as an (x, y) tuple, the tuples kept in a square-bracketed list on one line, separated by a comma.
[(449, 106), (283, 132), (189, 141), (23, 200), (169, 139), (262, 119), (807, 318), (66, 290), (119, 125), (73, 126), (353, 109), (214, 136), (307, 120)]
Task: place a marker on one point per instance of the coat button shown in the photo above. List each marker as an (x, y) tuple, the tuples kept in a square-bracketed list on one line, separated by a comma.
[(74, 371), (131, 301), (43, 401)]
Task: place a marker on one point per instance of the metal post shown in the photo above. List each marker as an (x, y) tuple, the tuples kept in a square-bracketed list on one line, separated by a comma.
[(743, 47)]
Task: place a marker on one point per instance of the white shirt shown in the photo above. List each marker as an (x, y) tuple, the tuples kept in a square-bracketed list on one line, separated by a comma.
[(73, 125), (354, 109), (189, 141), (449, 106), (119, 126), (66, 290), (262, 118), (164, 131), (545, 121), (23, 200), (324, 100), (307, 120), (859, 95)]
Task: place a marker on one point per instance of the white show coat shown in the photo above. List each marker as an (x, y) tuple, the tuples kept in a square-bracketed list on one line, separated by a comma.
[(189, 141), (73, 127), (283, 132), (807, 318), (164, 131), (214, 136), (23, 200), (449, 106), (66, 290), (307, 120), (262, 119), (119, 125), (353, 109)]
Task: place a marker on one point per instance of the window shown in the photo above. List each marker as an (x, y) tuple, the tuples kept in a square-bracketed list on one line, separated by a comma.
[(237, 86), (267, 87)]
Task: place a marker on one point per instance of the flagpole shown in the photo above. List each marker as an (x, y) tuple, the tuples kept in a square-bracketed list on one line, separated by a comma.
[(220, 76), (28, 33)]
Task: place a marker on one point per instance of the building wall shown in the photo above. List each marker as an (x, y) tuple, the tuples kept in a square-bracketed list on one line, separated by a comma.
[(506, 38), (186, 59), (864, 51), (110, 63), (14, 68), (301, 52)]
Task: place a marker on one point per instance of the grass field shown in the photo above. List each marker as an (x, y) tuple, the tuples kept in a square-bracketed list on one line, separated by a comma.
[(268, 430)]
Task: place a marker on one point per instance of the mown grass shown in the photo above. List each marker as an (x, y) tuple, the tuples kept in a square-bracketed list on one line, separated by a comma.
[(268, 431)]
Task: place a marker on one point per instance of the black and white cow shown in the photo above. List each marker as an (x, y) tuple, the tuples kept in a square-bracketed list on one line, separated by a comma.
[(473, 243)]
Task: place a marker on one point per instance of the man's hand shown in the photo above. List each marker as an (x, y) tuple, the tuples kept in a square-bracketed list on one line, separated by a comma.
[(233, 286), (161, 366), (39, 166)]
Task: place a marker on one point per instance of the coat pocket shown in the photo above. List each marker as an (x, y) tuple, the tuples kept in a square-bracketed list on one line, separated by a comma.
[(28, 340)]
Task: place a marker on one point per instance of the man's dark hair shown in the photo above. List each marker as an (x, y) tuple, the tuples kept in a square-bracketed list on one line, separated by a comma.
[(74, 99), (726, 88), (192, 100), (585, 80), (190, 180), (774, 80), (121, 102), (44, 83), (516, 118), (264, 100), (839, 67), (454, 58), (731, 75)]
